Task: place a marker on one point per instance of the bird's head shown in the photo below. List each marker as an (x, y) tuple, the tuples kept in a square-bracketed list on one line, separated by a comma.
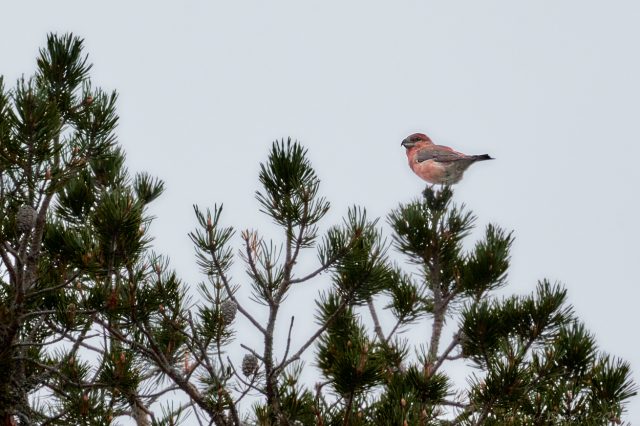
[(415, 139)]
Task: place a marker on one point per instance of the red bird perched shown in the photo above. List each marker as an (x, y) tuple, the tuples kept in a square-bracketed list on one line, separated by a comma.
[(437, 164)]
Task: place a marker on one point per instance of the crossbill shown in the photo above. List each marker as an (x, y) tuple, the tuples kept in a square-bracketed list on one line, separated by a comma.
[(437, 164)]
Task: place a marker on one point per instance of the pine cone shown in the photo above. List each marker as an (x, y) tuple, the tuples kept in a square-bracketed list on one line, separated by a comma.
[(228, 310), (26, 218), (249, 365)]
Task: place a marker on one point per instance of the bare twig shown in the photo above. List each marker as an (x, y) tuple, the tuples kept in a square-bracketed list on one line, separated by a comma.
[(454, 342), (454, 404), (318, 271), (376, 322), (286, 351), (254, 353), (315, 335), (393, 330), (54, 288)]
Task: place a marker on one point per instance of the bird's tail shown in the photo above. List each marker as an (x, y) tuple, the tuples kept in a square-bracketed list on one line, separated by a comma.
[(483, 157)]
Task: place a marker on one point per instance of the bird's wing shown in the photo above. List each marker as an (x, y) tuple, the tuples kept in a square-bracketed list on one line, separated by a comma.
[(439, 153)]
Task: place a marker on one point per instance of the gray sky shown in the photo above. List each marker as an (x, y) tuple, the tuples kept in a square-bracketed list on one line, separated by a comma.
[(549, 88)]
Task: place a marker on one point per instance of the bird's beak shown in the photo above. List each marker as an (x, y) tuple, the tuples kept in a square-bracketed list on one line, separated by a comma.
[(406, 143)]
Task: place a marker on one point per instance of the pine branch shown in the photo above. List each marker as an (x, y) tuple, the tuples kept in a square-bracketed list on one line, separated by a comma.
[(249, 385), (156, 354), (201, 354), (154, 396), (318, 271), (455, 404), (36, 242), (195, 412), (454, 342), (376, 322), (436, 331), (75, 339), (254, 353), (393, 330), (54, 288), (254, 270), (286, 351), (227, 287), (4, 247), (315, 335), (233, 409), (347, 410), (140, 411)]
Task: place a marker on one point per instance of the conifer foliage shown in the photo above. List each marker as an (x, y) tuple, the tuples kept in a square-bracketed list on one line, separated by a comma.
[(95, 327), (73, 249)]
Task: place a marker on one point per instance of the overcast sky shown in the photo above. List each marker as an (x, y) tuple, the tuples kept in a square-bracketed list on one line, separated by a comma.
[(550, 88)]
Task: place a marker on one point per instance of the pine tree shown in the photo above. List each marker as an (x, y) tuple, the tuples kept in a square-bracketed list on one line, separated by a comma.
[(73, 235), (95, 326), (352, 253), (533, 361)]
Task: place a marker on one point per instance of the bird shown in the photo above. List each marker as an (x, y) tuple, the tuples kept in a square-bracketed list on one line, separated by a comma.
[(437, 164)]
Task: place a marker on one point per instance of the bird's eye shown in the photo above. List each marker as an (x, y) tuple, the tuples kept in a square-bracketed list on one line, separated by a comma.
[(414, 139)]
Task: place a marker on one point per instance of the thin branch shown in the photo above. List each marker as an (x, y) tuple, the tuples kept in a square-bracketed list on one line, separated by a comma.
[(318, 271), (454, 357), (227, 287), (156, 395), (254, 271), (325, 265), (195, 411), (347, 410), (57, 371), (376, 322), (254, 353), (204, 356), (393, 330), (10, 249), (286, 351), (156, 354), (315, 335), (57, 287), (241, 380), (454, 342), (75, 339), (7, 263), (50, 342), (36, 313), (454, 404)]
